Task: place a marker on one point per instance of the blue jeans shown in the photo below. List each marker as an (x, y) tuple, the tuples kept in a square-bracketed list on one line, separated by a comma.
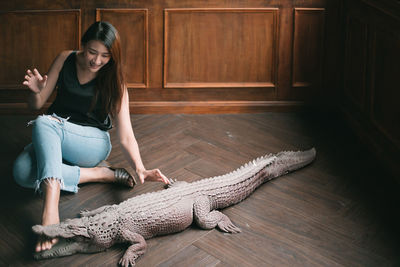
[(58, 149)]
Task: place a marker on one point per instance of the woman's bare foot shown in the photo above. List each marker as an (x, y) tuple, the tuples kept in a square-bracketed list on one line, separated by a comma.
[(45, 242), (51, 190)]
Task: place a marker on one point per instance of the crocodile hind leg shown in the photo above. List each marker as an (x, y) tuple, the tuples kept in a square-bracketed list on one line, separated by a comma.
[(207, 218)]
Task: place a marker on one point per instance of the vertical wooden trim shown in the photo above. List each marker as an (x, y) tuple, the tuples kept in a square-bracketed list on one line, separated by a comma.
[(277, 22), (79, 29), (165, 48), (146, 45)]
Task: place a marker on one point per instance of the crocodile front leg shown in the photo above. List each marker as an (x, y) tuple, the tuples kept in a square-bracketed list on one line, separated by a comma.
[(137, 249), (207, 218)]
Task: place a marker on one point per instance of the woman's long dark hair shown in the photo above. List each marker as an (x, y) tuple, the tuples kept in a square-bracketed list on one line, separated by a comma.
[(110, 84)]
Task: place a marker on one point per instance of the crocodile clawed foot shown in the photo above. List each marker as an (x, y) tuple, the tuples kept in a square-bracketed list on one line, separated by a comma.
[(228, 227), (126, 262)]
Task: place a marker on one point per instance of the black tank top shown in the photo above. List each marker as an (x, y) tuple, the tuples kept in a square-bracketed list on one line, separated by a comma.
[(74, 100)]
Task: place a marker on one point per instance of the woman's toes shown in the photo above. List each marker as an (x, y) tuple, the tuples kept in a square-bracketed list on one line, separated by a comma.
[(38, 248), (48, 245), (45, 244), (40, 244)]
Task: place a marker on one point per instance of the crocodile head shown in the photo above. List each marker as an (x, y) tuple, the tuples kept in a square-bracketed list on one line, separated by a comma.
[(72, 238), (66, 247)]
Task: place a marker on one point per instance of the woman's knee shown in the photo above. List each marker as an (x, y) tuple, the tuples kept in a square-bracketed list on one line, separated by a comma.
[(45, 130), (19, 171), (40, 121), (23, 169)]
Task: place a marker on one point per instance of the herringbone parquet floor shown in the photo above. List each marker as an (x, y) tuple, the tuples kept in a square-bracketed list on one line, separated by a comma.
[(339, 211)]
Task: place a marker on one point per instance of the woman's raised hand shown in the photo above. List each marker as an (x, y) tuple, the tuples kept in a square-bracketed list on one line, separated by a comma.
[(35, 81)]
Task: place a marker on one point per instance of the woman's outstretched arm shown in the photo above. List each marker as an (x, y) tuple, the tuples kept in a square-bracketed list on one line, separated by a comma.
[(42, 86), (130, 146)]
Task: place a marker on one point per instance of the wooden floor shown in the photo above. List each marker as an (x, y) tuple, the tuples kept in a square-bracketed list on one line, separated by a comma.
[(339, 211)]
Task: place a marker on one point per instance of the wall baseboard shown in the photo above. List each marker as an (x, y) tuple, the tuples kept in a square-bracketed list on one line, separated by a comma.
[(189, 107), (204, 107)]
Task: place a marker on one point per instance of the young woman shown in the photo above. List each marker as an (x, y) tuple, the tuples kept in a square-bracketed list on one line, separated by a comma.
[(72, 139)]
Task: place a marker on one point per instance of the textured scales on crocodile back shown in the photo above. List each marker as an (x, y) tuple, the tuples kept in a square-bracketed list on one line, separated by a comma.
[(168, 211)]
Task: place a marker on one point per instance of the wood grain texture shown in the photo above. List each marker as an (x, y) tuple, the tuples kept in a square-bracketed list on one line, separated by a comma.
[(331, 213)]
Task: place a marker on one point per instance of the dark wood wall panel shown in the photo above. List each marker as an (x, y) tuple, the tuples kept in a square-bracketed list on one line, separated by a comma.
[(371, 71), (385, 111), (220, 47), (308, 46), (132, 25), (356, 60), (34, 38)]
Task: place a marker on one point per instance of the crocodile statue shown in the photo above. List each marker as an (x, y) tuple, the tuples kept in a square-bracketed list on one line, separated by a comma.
[(167, 211)]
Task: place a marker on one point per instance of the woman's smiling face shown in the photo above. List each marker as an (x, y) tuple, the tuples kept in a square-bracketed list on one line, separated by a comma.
[(96, 55)]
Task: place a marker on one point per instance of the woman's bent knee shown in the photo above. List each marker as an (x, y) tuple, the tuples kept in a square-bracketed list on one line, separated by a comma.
[(23, 171)]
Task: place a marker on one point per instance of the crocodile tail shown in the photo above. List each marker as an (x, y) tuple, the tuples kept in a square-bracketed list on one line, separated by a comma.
[(231, 188), (288, 161)]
